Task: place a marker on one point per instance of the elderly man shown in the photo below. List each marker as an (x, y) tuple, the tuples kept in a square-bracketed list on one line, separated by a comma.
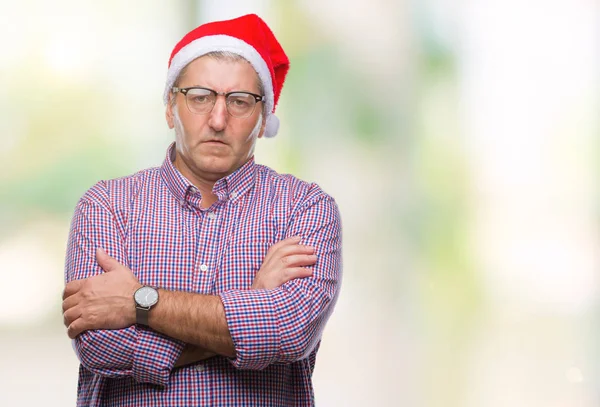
[(207, 281)]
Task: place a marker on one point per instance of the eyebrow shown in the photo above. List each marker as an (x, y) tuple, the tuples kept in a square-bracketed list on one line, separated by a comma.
[(231, 91)]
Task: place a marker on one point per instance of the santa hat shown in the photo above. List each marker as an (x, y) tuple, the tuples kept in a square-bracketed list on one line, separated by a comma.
[(247, 36)]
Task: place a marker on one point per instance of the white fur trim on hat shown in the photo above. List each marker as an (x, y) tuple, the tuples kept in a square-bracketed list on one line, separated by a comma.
[(205, 45)]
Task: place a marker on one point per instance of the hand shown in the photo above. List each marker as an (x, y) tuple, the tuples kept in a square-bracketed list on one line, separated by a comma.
[(104, 301), (193, 354), (285, 261)]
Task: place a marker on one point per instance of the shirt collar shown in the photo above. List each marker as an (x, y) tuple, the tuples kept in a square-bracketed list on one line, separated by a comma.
[(236, 184), (231, 187)]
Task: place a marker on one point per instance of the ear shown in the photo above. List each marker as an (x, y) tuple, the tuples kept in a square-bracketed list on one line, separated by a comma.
[(169, 115)]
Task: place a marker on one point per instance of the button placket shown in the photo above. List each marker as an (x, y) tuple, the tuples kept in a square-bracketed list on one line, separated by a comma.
[(206, 255)]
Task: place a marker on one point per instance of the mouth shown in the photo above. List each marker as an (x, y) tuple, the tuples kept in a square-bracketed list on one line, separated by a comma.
[(214, 142)]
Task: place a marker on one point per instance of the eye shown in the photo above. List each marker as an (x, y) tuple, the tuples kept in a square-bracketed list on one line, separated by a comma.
[(199, 99), (240, 100), (199, 96)]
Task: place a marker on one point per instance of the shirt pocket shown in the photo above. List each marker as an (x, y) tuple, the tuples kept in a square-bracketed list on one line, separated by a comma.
[(241, 262)]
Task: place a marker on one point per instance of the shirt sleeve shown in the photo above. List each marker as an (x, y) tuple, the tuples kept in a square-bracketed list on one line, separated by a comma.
[(285, 324), (138, 352)]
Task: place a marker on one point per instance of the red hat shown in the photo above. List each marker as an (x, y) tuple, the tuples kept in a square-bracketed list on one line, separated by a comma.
[(247, 36)]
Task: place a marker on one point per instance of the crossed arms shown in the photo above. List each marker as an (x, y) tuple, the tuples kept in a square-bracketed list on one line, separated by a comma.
[(279, 320)]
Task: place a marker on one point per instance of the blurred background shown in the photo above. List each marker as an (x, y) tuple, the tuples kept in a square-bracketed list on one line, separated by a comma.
[(459, 138)]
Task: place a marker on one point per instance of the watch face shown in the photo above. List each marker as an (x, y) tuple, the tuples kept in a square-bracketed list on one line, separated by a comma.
[(146, 296)]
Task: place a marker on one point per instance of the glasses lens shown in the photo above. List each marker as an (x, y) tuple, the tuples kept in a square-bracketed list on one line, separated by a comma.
[(240, 104), (200, 100)]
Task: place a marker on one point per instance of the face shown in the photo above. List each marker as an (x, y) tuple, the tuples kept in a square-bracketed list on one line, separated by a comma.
[(213, 145)]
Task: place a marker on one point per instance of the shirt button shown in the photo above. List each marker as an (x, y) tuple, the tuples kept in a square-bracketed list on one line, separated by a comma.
[(211, 215), (203, 267), (233, 195), (199, 367)]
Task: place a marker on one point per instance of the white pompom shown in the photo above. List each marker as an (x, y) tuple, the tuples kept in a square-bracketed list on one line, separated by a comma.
[(272, 126)]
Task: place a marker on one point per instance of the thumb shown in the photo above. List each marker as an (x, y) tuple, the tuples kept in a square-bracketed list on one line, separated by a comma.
[(105, 261)]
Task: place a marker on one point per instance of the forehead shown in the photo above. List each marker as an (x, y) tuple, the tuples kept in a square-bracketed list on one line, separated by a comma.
[(222, 75)]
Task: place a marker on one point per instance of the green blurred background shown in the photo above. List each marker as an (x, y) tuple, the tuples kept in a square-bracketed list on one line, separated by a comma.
[(460, 140)]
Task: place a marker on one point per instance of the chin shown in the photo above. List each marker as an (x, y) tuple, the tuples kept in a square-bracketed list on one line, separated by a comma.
[(217, 166)]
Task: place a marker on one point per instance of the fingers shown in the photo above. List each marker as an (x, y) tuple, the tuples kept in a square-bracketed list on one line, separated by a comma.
[(294, 240), (70, 315), (291, 256), (293, 274), (71, 301), (105, 261), (285, 260), (288, 247), (274, 280), (299, 260), (72, 287), (295, 249), (297, 272), (75, 328)]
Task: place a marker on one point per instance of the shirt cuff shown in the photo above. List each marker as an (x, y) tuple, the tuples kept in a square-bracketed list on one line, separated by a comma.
[(254, 327), (154, 356)]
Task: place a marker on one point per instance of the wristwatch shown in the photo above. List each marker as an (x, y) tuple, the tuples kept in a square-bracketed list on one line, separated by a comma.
[(145, 298)]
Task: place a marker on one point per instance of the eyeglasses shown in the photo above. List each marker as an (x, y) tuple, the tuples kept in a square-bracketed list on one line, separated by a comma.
[(202, 100)]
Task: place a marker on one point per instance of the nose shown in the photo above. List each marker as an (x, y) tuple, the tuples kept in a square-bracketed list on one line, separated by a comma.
[(218, 115)]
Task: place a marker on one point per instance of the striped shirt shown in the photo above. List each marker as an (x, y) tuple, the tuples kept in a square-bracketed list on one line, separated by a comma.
[(153, 223)]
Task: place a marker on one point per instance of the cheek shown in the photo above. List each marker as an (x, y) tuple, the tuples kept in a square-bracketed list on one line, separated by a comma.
[(184, 126)]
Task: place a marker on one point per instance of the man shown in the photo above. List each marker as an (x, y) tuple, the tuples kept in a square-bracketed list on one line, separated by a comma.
[(208, 280)]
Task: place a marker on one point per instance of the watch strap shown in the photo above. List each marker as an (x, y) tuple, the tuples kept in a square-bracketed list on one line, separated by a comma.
[(141, 315)]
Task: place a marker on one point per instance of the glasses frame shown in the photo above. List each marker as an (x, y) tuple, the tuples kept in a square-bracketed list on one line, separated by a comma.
[(184, 91)]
